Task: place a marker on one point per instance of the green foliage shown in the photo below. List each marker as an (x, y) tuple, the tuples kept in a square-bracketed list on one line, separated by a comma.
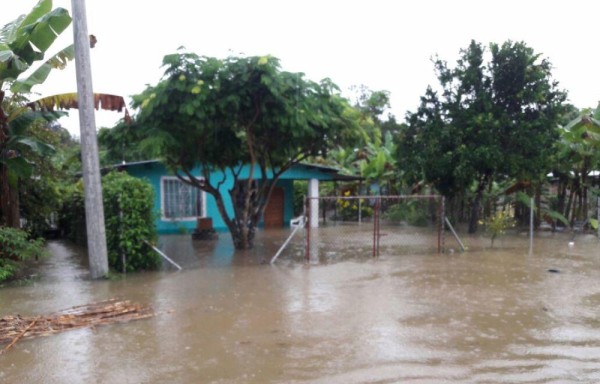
[(577, 155), (8, 269), (23, 42), (125, 142), (16, 246), (128, 207), (40, 197), (380, 163), (129, 221), (412, 212), (524, 199), (497, 224), (492, 121), (228, 113)]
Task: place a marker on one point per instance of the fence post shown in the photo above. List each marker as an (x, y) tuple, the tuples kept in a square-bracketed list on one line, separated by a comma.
[(376, 227), (442, 214), (307, 225), (313, 194), (378, 223), (531, 214), (359, 210)]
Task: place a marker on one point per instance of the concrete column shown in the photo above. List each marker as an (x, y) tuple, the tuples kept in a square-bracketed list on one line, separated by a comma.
[(94, 211), (313, 191)]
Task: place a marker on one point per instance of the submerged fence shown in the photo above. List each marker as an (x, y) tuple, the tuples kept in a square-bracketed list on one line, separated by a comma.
[(359, 226)]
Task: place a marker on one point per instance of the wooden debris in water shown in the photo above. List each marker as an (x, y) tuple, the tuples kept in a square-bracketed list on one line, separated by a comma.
[(13, 328)]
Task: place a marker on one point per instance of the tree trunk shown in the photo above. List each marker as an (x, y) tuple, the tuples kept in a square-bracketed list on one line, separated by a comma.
[(584, 197), (247, 213), (473, 221), (569, 204), (9, 208), (538, 205), (4, 202), (562, 194)]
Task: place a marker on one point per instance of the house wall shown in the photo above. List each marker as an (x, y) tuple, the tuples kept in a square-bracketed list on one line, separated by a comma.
[(154, 171)]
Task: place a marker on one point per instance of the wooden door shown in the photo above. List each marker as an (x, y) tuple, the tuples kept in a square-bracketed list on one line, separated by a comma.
[(273, 217)]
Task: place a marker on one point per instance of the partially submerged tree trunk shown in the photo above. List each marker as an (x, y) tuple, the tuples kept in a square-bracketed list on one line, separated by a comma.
[(248, 199), (244, 197), (474, 218), (475, 207)]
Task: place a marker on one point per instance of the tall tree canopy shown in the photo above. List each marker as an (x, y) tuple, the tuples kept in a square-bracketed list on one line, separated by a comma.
[(493, 119), (224, 114)]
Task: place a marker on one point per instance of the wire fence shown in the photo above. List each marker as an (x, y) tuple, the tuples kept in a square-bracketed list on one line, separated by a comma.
[(343, 227), (336, 228)]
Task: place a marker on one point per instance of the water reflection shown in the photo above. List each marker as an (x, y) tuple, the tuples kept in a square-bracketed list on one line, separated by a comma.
[(488, 315)]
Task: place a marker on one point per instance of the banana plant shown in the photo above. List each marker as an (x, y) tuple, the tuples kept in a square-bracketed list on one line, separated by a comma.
[(578, 156), (379, 166), (23, 43), (19, 143), (26, 39)]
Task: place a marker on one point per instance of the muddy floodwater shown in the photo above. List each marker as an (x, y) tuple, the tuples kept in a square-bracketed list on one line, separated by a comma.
[(497, 315)]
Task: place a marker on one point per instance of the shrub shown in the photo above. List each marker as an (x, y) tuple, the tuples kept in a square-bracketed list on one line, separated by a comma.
[(129, 221), (8, 268), (128, 211), (497, 224), (15, 246)]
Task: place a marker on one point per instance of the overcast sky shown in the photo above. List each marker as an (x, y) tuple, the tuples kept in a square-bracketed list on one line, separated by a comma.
[(385, 45)]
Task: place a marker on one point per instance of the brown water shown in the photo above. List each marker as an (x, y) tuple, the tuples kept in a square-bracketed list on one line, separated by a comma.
[(485, 316)]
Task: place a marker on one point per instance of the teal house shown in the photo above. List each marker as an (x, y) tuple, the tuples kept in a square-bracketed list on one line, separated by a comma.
[(179, 205)]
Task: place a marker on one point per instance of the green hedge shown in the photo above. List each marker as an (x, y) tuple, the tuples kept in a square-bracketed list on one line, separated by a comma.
[(129, 221)]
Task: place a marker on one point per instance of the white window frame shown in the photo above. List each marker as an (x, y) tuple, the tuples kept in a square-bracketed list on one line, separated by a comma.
[(162, 200)]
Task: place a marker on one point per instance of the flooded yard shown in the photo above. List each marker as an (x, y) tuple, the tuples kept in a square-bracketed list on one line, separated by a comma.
[(484, 316)]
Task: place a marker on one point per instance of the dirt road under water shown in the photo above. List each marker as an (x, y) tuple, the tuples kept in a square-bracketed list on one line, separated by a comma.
[(485, 316)]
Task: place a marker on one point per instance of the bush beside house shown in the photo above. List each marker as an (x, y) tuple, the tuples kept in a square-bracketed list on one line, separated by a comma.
[(129, 221)]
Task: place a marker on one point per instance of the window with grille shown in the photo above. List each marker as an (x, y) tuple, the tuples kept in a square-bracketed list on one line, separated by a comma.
[(180, 200)]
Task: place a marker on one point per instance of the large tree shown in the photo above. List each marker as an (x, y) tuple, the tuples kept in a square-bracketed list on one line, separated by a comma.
[(234, 114), (492, 120)]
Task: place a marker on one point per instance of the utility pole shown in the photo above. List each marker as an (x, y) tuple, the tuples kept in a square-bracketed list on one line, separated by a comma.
[(94, 208)]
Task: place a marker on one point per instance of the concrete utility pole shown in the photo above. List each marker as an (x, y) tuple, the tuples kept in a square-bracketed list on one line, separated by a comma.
[(94, 209)]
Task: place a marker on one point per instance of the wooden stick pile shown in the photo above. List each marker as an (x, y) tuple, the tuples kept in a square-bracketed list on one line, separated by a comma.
[(14, 328)]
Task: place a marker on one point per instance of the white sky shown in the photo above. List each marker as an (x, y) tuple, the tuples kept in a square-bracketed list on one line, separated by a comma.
[(385, 45)]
